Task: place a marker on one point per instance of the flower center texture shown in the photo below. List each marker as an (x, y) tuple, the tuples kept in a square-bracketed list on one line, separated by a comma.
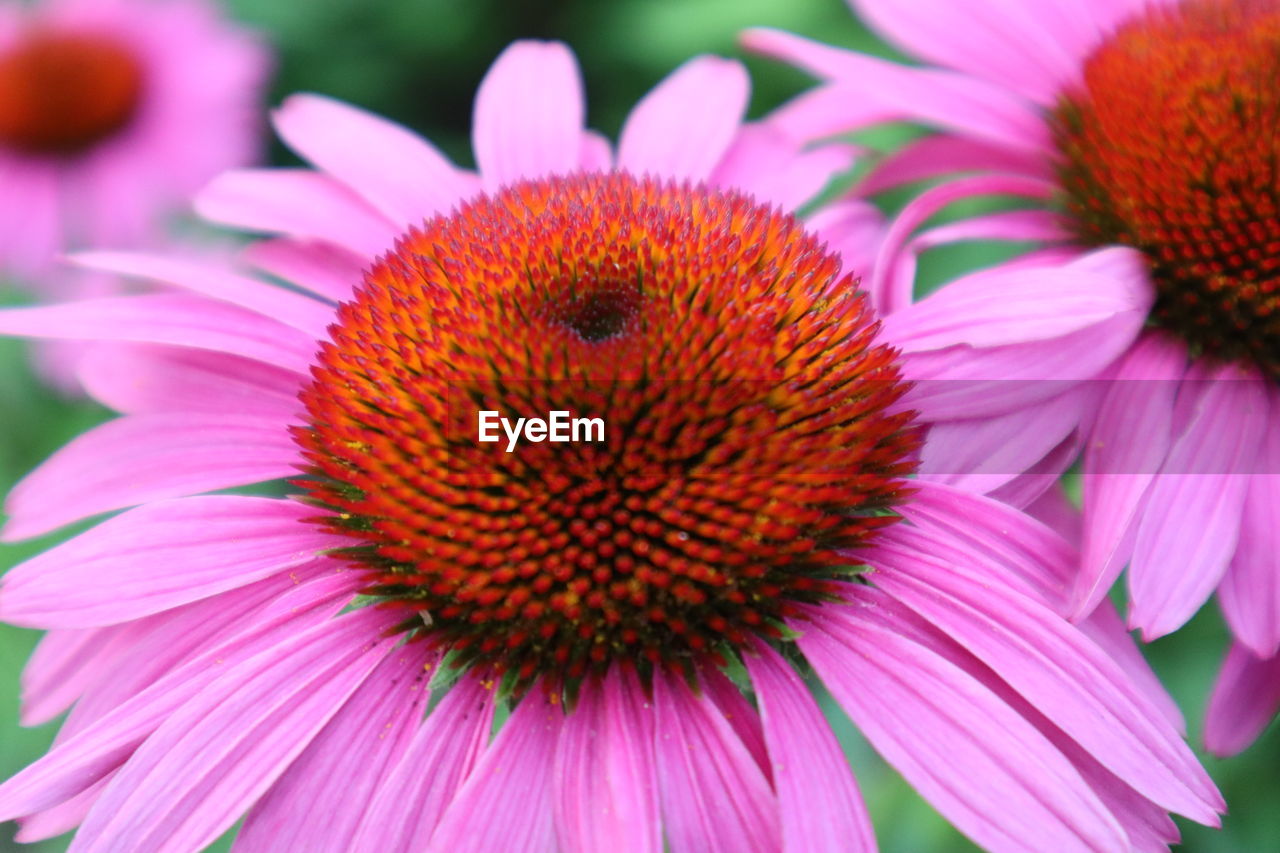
[(61, 94), (746, 435), (1171, 146)]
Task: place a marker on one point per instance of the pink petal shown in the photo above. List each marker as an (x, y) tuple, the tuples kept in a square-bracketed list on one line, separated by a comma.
[(323, 268), (983, 766), (160, 644), (1246, 698), (999, 307), (1250, 591), (407, 806), (970, 530), (1130, 438), (163, 318), (606, 793), (962, 382), (340, 771), (1055, 509), (1106, 629), (158, 556), (85, 757), (739, 713), (217, 754), (936, 156), (300, 204), (1191, 522), (60, 819), (401, 174), (137, 378), (715, 799), (306, 315), (64, 665), (1036, 50), (487, 815), (775, 171), (685, 126), (866, 90), (597, 152), (147, 457), (981, 454), (529, 114), (1064, 676), (894, 271), (818, 798)]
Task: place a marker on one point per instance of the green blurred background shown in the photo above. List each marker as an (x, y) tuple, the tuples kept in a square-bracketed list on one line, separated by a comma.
[(419, 61)]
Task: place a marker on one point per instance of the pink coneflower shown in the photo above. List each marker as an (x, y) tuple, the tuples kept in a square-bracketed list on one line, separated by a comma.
[(112, 113), (1152, 125), (331, 666)]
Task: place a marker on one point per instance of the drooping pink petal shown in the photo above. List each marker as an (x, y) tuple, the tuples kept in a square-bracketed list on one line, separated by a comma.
[(968, 529), (217, 754), (897, 278), (325, 269), (147, 457), (308, 316), (74, 764), (1034, 49), (1105, 628), (1127, 445), (1245, 699), (505, 803), (715, 799), (998, 307), (739, 714), (160, 644), (1040, 226), (935, 156), (1191, 522), (1250, 591), (299, 203), (818, 799), (1065, 677), (407, 806), (983, 454), (867, 89), (135, 378), (606, 794), (961, 381), (64, 664), (340, 771), (984, 767), (1055, 509), (62, 818), (160, 555), (529, 114), (164, 318), (684, 127), (401, 174)]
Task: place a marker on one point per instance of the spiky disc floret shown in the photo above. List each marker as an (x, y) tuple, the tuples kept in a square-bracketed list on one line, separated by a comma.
[(748, 440), (1172, 145), (62, 92)]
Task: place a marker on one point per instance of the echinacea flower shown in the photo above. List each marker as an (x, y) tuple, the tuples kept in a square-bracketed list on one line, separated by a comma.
[(331, 665), (1151, 125), (112, 113)]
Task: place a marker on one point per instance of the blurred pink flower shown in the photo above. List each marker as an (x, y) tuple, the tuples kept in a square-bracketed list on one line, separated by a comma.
[(209, 644), (112, 113), (1152, 125)]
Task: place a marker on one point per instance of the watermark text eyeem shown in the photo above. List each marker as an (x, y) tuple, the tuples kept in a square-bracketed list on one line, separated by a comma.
[(558, 426)]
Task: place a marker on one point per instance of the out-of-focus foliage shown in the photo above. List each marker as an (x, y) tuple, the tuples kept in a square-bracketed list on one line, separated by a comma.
[(419, 61)]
